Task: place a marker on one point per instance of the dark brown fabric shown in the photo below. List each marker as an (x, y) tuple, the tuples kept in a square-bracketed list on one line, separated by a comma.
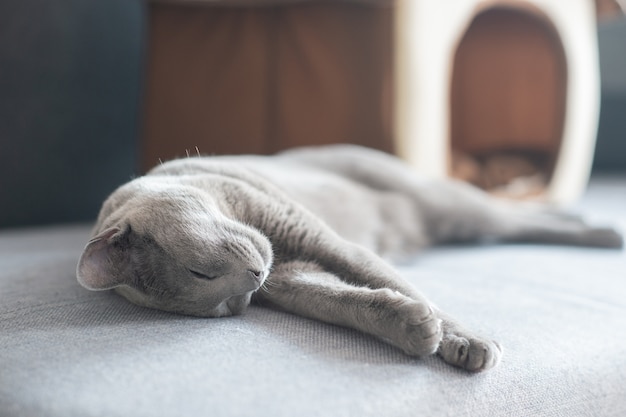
[(334, 77), (257, 80), (265, 3)]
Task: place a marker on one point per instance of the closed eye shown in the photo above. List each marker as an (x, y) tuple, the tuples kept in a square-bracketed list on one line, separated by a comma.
[(200, 275)]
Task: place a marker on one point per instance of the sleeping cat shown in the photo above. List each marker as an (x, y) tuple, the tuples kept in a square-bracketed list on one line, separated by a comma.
[(306, 231)]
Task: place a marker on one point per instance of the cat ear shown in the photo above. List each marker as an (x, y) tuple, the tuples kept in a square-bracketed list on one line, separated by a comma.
[(98, 267)]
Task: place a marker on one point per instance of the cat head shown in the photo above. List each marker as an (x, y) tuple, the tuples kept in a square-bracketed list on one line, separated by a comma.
[(172, 249)]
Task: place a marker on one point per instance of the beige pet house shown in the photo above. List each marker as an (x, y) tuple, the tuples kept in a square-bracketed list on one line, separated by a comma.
[(482, 75)]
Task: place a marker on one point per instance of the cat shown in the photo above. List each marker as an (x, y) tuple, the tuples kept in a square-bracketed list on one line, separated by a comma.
[(309, 231)]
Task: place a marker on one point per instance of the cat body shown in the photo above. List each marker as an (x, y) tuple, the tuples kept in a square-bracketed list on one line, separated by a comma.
[(306, 231)]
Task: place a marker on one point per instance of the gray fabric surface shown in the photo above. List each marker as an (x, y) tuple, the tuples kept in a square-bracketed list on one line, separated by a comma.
[(559, 312)]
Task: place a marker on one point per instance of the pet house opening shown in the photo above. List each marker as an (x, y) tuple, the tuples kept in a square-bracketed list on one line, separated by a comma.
[(507, 102)]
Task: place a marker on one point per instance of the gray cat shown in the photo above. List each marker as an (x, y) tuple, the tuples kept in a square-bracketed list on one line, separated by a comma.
[(306, 231)]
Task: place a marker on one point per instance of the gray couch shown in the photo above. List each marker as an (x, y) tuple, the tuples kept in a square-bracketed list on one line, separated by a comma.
[(560, 313)]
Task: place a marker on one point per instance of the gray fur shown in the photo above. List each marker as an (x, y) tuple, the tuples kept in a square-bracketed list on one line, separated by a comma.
[(305, 231)]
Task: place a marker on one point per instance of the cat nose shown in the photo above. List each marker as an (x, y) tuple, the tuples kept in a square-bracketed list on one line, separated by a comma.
[(257, 275)]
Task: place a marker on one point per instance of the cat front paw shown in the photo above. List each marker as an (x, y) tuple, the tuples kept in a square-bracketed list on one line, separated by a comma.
[(470, 353), (422, 330)]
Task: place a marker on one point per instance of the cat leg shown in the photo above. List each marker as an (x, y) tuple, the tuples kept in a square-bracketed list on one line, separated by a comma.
[(354, 267), (352, 287), (454, 211), (305, 289), (531, 223)]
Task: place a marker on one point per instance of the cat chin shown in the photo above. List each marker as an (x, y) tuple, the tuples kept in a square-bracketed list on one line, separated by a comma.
[(235, 305), (232, 306)]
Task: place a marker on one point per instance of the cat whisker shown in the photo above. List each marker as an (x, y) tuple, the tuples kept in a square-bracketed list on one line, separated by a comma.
[(198, 151), (267, 286), (264, 288), (161, 163), (270, 283)]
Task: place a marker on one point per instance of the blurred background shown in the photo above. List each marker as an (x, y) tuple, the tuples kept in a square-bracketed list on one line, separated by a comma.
[(79, 114), (69, 96)]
